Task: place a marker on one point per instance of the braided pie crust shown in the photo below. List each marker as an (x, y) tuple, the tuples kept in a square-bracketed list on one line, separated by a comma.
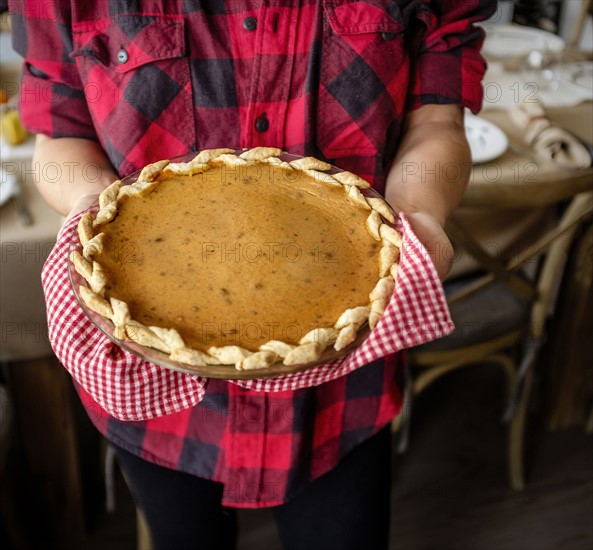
[(312, 345)]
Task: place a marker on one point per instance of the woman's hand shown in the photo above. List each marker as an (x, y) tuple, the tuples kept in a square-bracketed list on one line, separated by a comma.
[(431, 234), (82, 204)]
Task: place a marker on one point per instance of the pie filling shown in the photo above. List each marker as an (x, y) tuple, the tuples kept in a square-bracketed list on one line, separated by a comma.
[(240, 256), (239, 259)]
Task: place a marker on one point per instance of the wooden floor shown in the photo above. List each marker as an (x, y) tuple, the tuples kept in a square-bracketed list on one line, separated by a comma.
[(449, 489)]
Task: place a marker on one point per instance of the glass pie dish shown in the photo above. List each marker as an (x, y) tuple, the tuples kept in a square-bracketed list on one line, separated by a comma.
[(224, 371)]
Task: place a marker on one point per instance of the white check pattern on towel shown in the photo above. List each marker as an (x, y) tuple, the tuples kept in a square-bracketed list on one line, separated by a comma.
[(130, 388)]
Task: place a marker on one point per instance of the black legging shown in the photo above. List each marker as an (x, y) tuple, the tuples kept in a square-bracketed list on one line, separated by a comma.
[(347, 508)]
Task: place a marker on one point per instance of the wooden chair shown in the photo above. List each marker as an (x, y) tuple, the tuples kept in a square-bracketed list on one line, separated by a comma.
[(500, 318), (576, 33)]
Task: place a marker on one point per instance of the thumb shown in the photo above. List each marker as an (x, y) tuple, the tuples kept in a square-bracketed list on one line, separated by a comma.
[(432, 235), (82, 204)]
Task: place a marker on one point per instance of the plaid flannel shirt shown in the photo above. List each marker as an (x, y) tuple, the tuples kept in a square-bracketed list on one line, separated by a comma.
[(328, 78)]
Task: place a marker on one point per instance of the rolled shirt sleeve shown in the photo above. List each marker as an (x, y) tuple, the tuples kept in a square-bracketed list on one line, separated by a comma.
[(52, 99), (449, 67)]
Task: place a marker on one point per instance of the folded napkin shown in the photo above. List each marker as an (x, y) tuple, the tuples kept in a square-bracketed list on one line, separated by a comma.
[(547, 140), (130, 388)]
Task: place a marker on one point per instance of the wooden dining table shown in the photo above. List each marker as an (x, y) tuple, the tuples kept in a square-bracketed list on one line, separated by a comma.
[(519, 178)]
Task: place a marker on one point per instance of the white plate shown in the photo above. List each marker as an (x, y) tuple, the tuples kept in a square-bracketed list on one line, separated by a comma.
[(486, 140), (8, 186), (503, 41)]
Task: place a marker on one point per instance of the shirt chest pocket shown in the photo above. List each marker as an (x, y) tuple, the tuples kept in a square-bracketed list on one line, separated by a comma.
[(363, 77), (136, 81)]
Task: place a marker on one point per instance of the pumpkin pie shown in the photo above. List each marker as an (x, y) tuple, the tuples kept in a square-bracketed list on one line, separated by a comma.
[(239, 257)]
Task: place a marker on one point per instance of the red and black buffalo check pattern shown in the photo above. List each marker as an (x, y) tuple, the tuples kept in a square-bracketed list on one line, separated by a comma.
[(329, 78)]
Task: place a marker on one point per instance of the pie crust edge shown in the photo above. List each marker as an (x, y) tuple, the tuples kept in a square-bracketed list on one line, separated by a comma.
[(167, 340)]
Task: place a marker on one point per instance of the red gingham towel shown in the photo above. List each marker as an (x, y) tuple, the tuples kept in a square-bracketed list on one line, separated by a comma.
[(132, 389)]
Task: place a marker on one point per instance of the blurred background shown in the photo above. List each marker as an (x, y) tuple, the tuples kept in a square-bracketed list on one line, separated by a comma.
[(493, 449)]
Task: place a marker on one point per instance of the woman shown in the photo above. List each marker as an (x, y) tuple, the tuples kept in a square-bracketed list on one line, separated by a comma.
[(374, 87)]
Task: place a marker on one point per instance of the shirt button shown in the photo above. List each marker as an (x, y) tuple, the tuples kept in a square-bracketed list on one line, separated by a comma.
[(388, 36), (262, 123), (250, 23), (122, 56)]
